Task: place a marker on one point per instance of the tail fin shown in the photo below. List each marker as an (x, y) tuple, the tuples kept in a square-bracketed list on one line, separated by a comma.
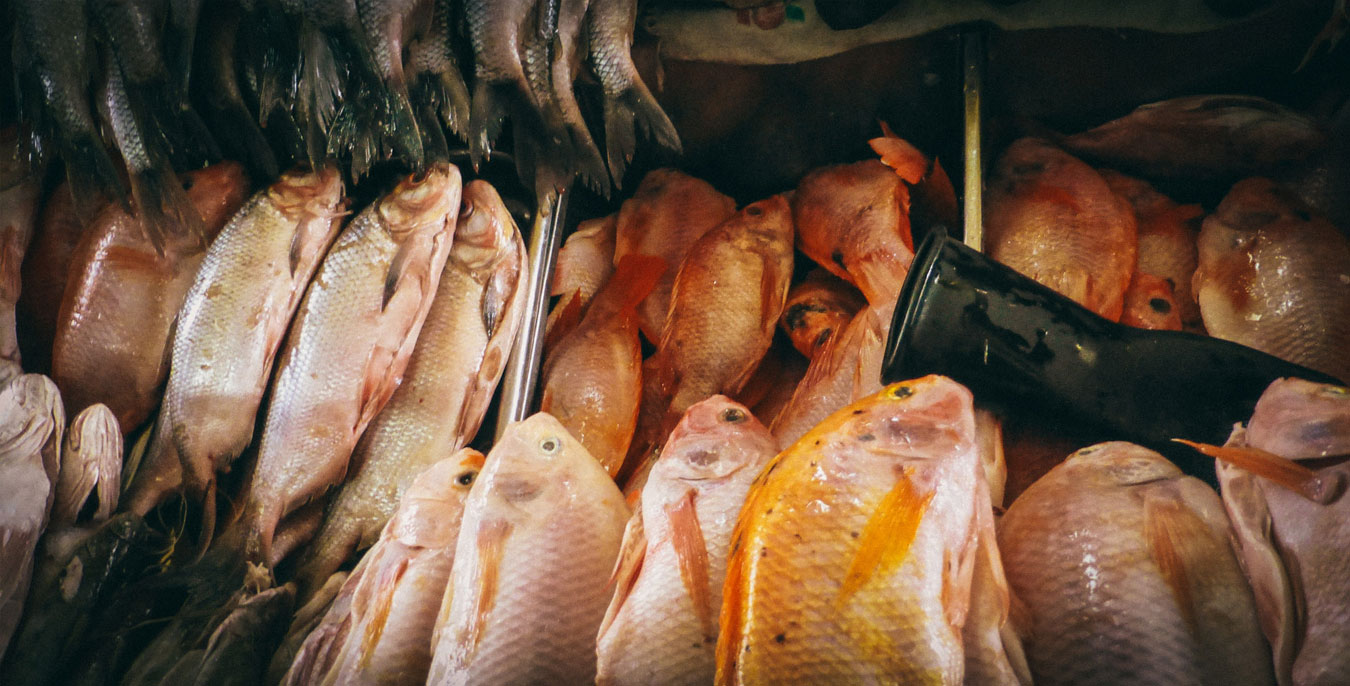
[(624, 114), (163, 208), (487, 114), (633, 279), (88, 167)]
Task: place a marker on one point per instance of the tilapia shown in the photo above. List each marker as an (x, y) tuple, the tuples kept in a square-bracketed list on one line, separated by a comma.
[(584, 262), (541, 532), (1167, 233), (668, 212), (1292, 549), (888, 499), (1123, 573), (629, 106), (817, 309), (450, 379), (388, 606), (661, 626), (1054, 219), (853, 220), (1275, 277), (1150, 303), (122, 297), (592, 378), (20, 186), (348, 348), (1201, 136), (233, 320), (30, 461)]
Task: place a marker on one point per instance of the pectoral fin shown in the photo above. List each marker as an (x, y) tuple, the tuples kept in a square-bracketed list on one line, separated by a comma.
[(632, 552), (1182, 546), (385, 585), (692, 552), (490, 545), (887, 536), (1272, 467)]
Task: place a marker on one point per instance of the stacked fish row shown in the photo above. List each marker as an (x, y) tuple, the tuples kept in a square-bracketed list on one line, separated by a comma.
[(321, 81), (388, 333)]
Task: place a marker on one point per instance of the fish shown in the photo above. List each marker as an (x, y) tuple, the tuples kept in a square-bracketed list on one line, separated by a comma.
[(628, 104), (661, 625), (1201, 137), (237, 651), (592, 378), (233, 320), (791, 371), (431, 58), (43, 275), (20, 188), (667, 214), (1274, 276), (450, 379), (888, 495), (853, 220), (817, 308), (1123, 573), (564, 63), (1167, 234), (386, 24), (307, 617), (347, 349), (122, 297), (91, 464), (585, 261), (1150, 303), (218, 86), (1290, 546), (725, 304), (30, 462), (541, 532), (846, 368), (390, 602), (1052, 218), (495, 33), (53, 64)]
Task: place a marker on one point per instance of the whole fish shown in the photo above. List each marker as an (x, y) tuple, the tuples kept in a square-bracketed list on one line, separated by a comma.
[(450, 379), (122, 297), (592, 378), (817, 308), (1150, 303), (1123, 573), (389, 603), (853, 220), (1274, 276), (668, 212), (233, 320), (20, 186), (348, 348), (1054, 219), (30, 461), (845, 369), (1201, 136), (853, 556), (219, 87), (629, 106), (1292, 548), (45, 268), (1167, 233), (584, 262), (661, 626), (541, 532)]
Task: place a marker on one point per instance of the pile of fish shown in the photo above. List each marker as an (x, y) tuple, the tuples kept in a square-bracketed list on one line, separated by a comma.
[(128, 94)]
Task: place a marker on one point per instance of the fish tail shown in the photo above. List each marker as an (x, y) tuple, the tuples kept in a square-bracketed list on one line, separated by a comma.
[(633, 280), (163, 208), (89, 167), (487, 114), (247, 142), (454, 101), (330, 549), (426, 98), (632, 109)]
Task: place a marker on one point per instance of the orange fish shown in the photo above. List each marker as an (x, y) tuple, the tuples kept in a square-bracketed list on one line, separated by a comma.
[(584, 262), (669, 212), (1054, 219), (1150, 304), (592, 379), (854, 554), (817, 308), (1167, 233)]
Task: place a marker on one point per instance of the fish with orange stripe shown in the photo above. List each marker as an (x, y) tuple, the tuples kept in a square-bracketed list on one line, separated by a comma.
[(661, 626), (853, 557)]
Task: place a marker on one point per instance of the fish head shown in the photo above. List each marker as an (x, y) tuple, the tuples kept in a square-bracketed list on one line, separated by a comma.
[(484, 223), (537, 469), (1301, 419), (300, 193), (1118, 464), (421, 202), (217, 190), (430, 510), (716, 438), (448, 478)]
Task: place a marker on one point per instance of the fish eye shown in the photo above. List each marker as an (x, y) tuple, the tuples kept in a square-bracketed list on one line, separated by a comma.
[(466, 478), (899, 393), (733, 415), (550, 445)]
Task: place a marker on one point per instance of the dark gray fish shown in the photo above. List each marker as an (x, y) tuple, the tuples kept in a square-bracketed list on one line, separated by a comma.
[(218, 85), (432, 62), (629, 105), (495, 31), (565, 62), (241, 646), (53, 62), (180, 38)]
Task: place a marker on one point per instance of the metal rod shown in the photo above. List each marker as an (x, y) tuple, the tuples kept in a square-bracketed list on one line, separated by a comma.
[(522, 369), (973, 57)]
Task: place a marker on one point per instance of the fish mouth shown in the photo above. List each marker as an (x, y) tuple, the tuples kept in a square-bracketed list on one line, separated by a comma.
[(295, 190), (421, 199)]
